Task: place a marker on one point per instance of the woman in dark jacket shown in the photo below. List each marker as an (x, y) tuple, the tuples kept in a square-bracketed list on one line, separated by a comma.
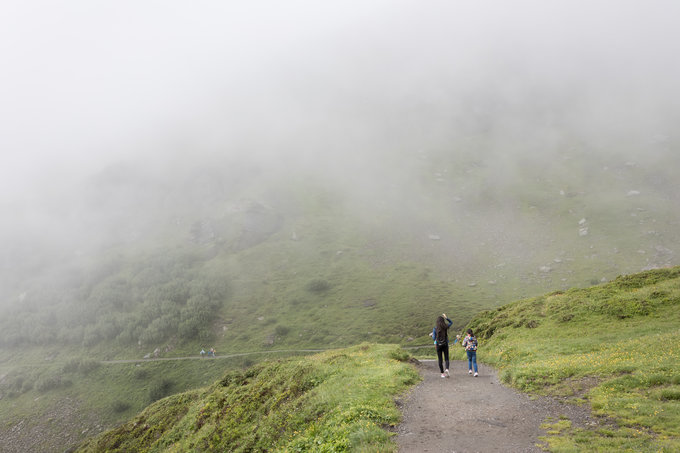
[(440, 333)]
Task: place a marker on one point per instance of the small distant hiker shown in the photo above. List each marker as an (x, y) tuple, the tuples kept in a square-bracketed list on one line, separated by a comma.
[(211, 353), (440, 334), (470, 345), (202, 352)]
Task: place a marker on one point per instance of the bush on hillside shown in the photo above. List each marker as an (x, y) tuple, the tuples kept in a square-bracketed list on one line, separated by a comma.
[(16, 384), (160, 389), (47, 383), (318, 286), (140, 373), (399, 355), (144, 298), (119, 406), (281, 331), (83, 366)]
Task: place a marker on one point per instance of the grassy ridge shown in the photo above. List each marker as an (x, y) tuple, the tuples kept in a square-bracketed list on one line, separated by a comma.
[(614, 346), (333, 401)]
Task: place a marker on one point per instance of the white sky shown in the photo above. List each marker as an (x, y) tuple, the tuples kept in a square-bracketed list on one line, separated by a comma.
[(86, 82)]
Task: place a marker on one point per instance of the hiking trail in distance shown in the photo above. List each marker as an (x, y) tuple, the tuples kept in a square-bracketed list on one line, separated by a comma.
[(463, 414)]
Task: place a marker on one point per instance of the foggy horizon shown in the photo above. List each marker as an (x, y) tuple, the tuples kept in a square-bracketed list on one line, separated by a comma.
[(88, 85), (108, 108)]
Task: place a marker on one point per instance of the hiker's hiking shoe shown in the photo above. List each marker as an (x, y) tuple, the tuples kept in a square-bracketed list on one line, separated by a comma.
[(443, 375), (469, 371), (476, 375), (447, 373)]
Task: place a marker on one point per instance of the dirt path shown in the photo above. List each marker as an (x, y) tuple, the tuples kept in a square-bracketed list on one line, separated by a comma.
[(466, 414), (196, 357)]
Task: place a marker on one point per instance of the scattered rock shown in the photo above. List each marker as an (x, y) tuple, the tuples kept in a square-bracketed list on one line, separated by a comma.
[(661, 250), (632, 193), (434, 237)]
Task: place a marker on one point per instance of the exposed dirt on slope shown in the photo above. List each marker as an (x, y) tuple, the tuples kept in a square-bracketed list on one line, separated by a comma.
[(62, 427), (463, 414)]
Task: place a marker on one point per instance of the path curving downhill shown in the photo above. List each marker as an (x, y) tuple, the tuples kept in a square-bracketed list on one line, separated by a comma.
[(465, 414)]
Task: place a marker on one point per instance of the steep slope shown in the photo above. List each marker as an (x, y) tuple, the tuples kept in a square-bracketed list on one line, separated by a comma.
[(334, 401)]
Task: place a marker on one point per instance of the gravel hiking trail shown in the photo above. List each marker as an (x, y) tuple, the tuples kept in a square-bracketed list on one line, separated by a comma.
[(465, 414)]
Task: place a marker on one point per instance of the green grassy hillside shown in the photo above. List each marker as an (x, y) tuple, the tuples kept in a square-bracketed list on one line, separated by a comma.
[(247, 259), (614, 347), (339, 400)]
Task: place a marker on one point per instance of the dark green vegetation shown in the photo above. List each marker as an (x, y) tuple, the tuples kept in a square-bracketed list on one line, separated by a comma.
[(339, 400), (614, 346)]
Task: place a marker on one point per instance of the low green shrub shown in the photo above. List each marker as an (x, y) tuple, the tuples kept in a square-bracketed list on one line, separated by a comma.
[(160, 389), (318, 286), (400, 355), (119, 406), (47, 383)]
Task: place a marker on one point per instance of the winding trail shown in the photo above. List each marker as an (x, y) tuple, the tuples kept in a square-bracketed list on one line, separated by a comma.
[(225, 356), (476, 414), (228, 356)]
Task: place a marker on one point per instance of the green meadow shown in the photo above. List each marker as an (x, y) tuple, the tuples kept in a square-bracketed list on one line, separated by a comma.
[(614, 347)]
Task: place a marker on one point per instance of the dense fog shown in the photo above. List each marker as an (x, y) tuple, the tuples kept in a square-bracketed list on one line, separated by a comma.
[(352, 92)]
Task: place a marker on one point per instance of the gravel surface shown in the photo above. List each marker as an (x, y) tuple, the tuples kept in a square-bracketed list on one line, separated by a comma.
[(476, 414), (61, 428)]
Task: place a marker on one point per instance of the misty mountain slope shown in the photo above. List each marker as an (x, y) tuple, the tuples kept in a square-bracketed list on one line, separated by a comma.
[(589, 346), (284, 178), (307, 261), (463, 230)]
